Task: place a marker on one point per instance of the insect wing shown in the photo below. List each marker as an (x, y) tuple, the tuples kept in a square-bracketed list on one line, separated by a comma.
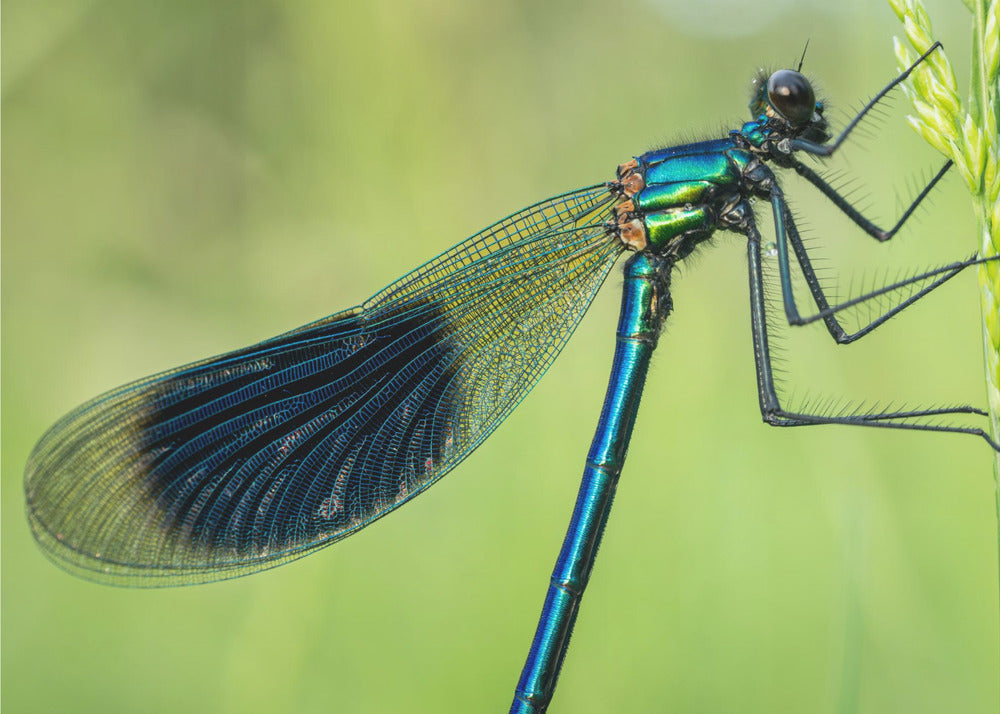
[(253, 458)]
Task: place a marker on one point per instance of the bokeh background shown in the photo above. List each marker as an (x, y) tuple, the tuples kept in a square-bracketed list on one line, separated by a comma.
[(184, 178)]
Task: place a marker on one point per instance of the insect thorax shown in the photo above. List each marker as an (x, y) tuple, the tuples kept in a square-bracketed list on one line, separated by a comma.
[(673, 199)]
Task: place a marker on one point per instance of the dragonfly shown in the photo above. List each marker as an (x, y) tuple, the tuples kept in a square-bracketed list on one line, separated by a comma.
[(251, 459)]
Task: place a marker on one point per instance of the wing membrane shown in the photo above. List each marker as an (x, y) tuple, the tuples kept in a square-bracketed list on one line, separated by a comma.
[(247, 460)]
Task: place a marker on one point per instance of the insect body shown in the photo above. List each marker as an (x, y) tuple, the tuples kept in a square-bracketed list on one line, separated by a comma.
[(253, 458)]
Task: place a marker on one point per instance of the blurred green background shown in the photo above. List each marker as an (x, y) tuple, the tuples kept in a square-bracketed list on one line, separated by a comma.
[(184, 178)]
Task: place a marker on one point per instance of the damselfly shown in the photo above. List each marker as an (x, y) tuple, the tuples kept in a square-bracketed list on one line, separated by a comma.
[(248, 460)]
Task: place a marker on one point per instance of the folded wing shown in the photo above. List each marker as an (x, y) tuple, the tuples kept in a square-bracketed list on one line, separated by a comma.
[(256, 457)]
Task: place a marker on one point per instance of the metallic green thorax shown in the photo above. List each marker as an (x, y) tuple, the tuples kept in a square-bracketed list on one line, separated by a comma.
[(677, 197), (672, 199)]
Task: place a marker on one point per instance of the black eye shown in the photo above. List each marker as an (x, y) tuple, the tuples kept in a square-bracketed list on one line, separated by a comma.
[(791, 94)]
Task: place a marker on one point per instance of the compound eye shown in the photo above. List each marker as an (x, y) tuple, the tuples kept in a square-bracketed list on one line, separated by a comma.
[(792, 96)]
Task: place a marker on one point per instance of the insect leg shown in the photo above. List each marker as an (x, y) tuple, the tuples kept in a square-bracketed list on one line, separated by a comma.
[(811, 147), (786, 232), (770, 406), (854, 214)]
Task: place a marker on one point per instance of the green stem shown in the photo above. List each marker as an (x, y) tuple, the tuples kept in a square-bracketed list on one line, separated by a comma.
[(982, 95)]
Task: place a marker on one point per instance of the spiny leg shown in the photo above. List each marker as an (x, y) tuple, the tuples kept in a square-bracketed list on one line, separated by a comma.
[(786, 232), (854, 214), (941, 275), (811, 147), (770, 406)]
